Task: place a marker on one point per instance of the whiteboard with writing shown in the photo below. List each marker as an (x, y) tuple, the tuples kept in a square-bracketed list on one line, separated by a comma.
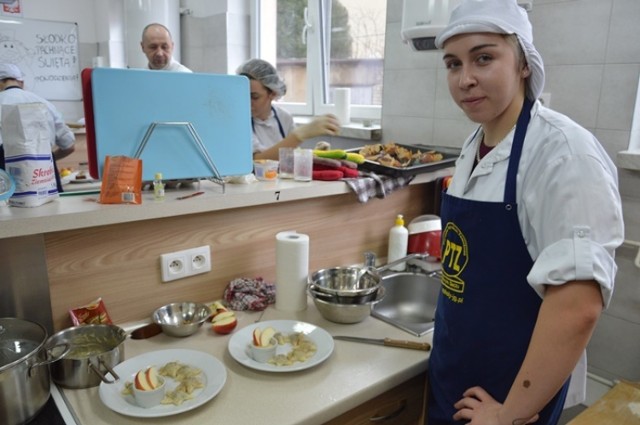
[(47, 53)]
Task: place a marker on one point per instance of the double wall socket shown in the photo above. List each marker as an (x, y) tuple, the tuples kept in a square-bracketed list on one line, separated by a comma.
[(189, 262)]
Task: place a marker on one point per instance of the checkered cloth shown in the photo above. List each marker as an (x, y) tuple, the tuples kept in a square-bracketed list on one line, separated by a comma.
[(249, 294), (374, 185)]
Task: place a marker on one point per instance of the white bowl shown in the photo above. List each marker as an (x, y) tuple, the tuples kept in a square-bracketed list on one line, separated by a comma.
[(149, 398)]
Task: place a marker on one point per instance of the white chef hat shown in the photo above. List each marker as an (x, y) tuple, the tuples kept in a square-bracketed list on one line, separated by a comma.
[(501, 17), (9, 70)]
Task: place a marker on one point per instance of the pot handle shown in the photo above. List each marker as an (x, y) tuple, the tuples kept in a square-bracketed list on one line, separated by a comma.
[(103, 375), (51, 357)]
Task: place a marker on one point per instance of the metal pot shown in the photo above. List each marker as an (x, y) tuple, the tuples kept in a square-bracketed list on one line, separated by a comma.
[(24, 375), (94, 351)]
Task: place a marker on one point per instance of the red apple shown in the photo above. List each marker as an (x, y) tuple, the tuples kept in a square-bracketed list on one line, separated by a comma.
[(225, 322)]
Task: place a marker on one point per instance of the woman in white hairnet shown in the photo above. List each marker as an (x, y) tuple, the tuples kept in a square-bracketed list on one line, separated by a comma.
[(531, 220), (273, 127)]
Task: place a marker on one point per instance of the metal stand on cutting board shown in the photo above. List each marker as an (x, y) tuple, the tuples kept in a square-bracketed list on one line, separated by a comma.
[(196, 138)]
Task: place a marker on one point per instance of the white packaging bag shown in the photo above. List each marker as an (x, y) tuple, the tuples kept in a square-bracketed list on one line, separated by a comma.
[(28, 134)]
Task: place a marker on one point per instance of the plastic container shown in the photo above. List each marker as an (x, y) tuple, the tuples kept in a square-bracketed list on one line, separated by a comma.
[(425, 234), (398, 243), (158, 188), (265, 169)]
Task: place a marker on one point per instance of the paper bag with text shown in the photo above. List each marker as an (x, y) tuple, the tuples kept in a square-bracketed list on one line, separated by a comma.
[(121, 180), (28, 133)]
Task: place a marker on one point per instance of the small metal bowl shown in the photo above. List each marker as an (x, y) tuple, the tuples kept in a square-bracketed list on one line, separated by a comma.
[(346, 313), (346, 281), (181, 319), (342, 299)]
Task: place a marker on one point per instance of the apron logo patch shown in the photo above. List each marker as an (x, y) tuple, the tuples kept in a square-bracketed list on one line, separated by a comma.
[(455, 256)]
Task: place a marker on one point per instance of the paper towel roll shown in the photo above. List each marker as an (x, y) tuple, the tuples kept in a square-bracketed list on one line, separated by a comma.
[(292, 270), (342, 102)]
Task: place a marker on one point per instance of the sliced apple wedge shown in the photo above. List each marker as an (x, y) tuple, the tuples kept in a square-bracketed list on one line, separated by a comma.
[(147, 379), (152, 377), (266, 335), (224, 323), (256, 337)]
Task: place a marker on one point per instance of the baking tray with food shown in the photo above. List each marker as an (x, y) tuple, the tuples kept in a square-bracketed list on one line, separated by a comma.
[(400, 160)]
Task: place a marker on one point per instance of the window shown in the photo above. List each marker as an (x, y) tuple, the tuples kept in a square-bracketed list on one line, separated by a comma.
[(320, 45)]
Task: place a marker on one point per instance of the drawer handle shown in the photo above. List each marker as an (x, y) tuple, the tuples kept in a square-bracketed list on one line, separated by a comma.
[(392, 415)]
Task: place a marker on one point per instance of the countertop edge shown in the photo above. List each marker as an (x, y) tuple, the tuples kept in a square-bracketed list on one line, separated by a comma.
[(82, 211)]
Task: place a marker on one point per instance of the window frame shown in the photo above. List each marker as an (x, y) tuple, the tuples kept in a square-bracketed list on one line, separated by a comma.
[(317, 60)]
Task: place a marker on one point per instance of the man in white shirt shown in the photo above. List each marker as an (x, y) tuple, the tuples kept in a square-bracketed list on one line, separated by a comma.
[(158, 45)]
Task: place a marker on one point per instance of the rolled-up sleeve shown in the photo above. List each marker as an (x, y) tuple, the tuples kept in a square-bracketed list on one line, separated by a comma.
[(574, 224)]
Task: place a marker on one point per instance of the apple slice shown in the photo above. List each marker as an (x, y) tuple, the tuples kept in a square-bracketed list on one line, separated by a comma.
[(141, 382), (256, 337), (216, 308), (266, 335), (224, 325), (222, 316), (225, 322), (151, 375)]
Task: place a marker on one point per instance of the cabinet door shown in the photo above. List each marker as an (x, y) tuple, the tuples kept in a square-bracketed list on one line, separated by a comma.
[(402, 405)]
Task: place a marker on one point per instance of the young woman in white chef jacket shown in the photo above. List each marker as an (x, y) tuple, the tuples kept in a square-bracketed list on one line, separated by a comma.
[(530, 223), (273, 127)]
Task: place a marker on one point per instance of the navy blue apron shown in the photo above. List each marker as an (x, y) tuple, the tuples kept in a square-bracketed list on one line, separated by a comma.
[(486, 311)]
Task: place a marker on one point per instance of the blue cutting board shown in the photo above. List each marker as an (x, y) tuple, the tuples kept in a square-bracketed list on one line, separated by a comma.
[(127, 101)]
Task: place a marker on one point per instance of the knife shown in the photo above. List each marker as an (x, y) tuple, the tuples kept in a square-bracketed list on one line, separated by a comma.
[(424, 346)]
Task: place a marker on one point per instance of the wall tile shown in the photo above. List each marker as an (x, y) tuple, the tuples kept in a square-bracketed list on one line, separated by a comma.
[(398, 55), (613, 141), (394, 11), (571, 32), (407, 129), (626, 15), (409, 92), (619, 87), (575, 91), (621, 361), (452, 132)]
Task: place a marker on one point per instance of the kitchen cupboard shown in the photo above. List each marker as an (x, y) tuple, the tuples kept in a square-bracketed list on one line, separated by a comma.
[(401, 405)]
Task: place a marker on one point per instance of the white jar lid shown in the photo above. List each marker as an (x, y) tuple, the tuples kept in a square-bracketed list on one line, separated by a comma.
[(425, 223)]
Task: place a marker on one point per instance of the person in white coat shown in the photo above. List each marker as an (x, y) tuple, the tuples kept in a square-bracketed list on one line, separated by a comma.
[(157, 45), (272, 126), (531, 221), (12, 92)]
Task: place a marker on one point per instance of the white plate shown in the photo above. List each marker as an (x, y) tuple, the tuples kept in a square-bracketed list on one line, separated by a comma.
[(214, 372), (239, 344)]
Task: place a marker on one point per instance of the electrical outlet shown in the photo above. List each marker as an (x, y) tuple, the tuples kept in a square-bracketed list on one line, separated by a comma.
[(185, 263)]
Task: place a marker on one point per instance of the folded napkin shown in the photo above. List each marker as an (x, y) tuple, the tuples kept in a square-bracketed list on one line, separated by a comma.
[(375, 185), (249, 294)]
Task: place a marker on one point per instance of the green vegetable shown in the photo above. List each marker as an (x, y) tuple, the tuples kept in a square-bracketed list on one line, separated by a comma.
[(355, 157), (334, 153)]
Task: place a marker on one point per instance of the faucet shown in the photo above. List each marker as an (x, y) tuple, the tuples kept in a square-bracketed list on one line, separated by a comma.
[(416, 263)]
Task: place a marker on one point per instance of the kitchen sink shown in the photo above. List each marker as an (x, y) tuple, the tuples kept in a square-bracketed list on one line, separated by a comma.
[(410, 301)]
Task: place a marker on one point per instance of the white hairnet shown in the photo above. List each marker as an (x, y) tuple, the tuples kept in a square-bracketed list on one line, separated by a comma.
[(9, 70), (501, 17), (264, 72)]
